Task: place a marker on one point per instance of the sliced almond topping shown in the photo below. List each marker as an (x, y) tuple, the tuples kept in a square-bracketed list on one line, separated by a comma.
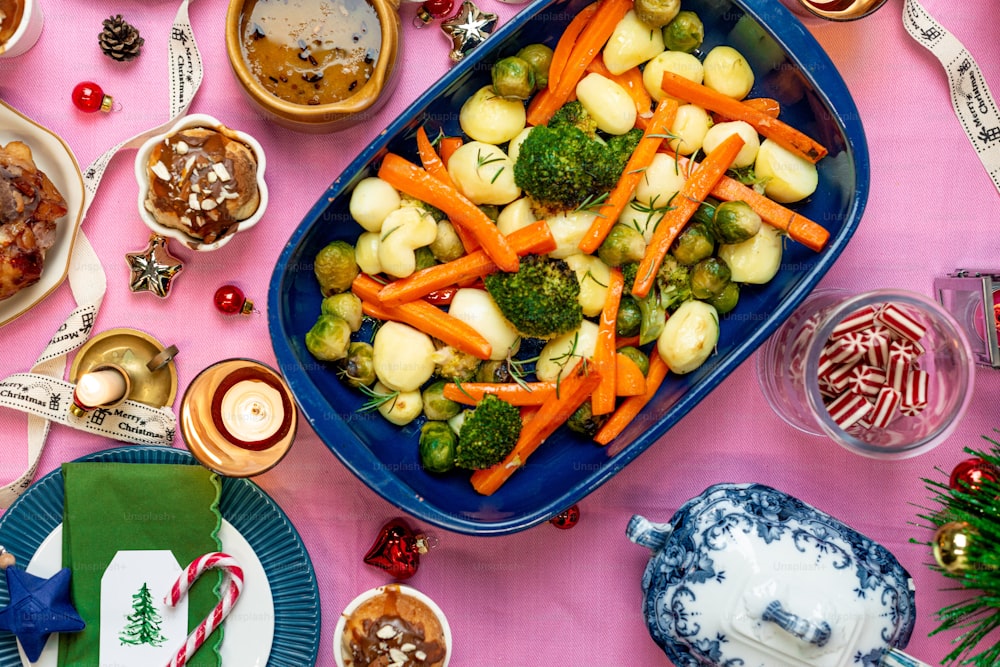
[(407, 647), (161, 171), (212, 176), (193, 202), (386, 632), (208, 204), (420, 655), (221, 170), (181, 147), (397, 656), (195, 188)]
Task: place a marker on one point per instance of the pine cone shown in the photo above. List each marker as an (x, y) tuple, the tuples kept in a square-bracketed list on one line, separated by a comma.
[(120, 40)]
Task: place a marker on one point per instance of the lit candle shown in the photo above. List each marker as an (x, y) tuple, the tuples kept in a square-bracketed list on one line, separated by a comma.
[(102, 387), (252, 411)]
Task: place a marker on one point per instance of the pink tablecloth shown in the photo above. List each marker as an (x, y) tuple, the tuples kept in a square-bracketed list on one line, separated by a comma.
[(543, 596)]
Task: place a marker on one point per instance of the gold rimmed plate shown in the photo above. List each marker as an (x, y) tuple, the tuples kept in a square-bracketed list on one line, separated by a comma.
[(154, 383), (54, 157)]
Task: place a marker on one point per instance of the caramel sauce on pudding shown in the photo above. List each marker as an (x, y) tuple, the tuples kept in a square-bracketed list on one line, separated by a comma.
[(10, 17), (311, 51), (393, 628)]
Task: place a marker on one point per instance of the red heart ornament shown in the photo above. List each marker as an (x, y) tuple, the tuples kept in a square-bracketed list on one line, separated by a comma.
[(567, 518), (397, 550)]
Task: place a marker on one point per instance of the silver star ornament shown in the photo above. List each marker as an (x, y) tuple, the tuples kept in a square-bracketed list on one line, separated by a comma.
[(468, 29), (154, 268)]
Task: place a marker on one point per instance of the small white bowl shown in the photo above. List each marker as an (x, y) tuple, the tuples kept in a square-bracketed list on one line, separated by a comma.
[(27, 33), (199, 120), (338, 631)]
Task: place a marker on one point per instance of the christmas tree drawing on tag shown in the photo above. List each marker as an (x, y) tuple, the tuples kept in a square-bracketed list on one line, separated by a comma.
[(144, 622), (137, 627)]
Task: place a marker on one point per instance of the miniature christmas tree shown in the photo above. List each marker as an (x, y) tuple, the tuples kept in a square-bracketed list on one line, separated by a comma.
[(966, 546), (144, 621)]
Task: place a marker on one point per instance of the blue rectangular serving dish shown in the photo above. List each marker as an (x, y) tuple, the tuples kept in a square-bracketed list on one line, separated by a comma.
[(789, 66)]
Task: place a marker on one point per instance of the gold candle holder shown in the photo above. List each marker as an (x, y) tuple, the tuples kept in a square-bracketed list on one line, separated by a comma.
[(238, 418)]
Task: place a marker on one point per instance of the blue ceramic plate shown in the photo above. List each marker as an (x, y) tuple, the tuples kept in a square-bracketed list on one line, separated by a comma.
[(243, 504), (789, 65)]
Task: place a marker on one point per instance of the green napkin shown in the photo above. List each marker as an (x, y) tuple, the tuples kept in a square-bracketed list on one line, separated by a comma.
[(112, 507)]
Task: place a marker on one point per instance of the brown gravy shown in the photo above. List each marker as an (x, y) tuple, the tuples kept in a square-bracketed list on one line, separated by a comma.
[(10, 18), (311, 51)]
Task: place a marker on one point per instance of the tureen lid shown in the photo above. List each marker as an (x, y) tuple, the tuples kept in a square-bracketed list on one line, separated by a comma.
[(747, 575)]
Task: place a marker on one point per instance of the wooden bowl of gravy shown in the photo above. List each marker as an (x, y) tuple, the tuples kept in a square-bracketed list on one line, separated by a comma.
[(314, 65)]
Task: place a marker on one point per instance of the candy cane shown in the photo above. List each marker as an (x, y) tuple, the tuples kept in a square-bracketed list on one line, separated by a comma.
[(232, 587)]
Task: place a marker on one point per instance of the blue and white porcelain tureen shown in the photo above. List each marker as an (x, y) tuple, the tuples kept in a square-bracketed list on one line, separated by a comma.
[(747, 576)]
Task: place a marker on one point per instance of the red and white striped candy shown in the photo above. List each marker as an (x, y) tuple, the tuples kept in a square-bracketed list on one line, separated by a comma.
[(866, 380), (877, 346), (907, 348), (886, 402), (896, 370), (839, 376), (848, 408), (915, 390), (859, 320), (232, 586), (846, 349), (903, 324)]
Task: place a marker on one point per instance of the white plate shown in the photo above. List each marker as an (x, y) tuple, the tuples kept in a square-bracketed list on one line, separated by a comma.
[(54, 157), (249, 628)]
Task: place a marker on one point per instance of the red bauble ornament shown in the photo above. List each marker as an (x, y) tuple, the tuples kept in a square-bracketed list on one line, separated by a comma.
[(397, 550), (89, 97), (566, 519), (434, 9), (969, 475), (229, 300)]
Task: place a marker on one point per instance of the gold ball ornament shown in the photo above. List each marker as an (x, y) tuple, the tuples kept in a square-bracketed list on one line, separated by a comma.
[(952, 542), (6, 559)]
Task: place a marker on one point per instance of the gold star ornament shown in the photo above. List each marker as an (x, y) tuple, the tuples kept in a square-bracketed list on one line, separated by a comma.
[(468, 29), (154, 268)]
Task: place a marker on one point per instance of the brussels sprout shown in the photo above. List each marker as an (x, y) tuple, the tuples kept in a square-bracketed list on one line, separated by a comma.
[(346, 305), (584, 421), (727, 299), (447, 245), (705, 212), (424, 257), (685, 32), (539, 57), (492, 211), (657, 13), (329, 337), (622, 245), (436, 406), (636, 355), (629, 317), (513, 77), (335, 267), (693, 244), (437, 447), (357, 368), (494, 371), (735, 222), (709, 277)]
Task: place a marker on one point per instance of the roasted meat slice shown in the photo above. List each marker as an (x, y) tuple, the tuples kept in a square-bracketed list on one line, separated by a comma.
[(30, 205)]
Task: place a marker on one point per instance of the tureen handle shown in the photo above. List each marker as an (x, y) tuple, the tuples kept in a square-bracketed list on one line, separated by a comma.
[(807, 631), (647, 534), (895, 658)]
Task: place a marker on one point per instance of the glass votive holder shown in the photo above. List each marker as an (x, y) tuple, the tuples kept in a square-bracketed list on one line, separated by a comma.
[(238, 418), (835, 10), (802, 371)]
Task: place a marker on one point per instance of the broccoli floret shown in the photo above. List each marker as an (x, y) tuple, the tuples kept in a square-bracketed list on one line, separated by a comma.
[(561, 166), (574, 115), (674, 282), (541, 299), (489, 432), (671, 288), (454, 364)]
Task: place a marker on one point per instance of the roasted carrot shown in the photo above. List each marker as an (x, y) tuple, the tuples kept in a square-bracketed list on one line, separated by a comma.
[(417, 182), (641, 158), (631, 81), (603, 400), (711, 100), (535, 238), (765, 105), (515, 393), (430, 159), (424, 317), (695, 189), (589, 43), (448, 146), (573, 390), (564, 47), (629, 380), (798, 227), (627, 341), (629, 408)]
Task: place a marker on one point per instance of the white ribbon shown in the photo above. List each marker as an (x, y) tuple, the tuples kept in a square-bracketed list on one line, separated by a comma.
[(41, 392), (970, 96)]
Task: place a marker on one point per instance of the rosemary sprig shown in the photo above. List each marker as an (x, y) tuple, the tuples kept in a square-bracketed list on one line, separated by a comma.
[(376, 399)]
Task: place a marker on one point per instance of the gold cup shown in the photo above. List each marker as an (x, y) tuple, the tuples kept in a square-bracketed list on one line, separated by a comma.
[(238, 418)]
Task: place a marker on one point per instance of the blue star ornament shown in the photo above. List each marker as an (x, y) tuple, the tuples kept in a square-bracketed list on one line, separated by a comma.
[(38, 607)]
